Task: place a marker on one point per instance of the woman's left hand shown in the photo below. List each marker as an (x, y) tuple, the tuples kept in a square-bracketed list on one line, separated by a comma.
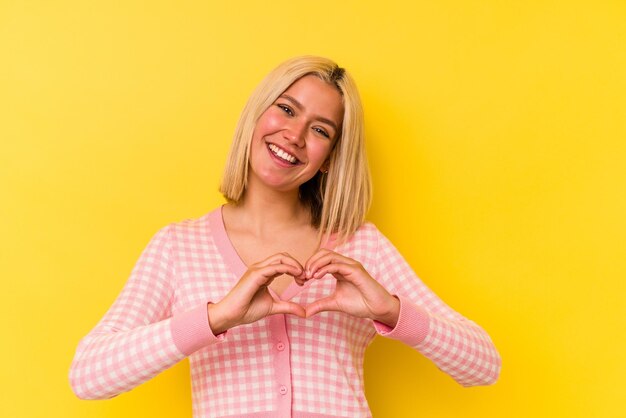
[(356, 293)]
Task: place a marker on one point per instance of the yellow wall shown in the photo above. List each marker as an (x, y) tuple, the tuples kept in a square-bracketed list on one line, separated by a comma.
[(496, 139)]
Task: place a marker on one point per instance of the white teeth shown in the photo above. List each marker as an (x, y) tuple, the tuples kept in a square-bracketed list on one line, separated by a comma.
[(282, 154)]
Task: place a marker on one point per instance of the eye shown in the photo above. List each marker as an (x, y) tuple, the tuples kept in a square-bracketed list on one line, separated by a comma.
[(286, 109), (322, 132)]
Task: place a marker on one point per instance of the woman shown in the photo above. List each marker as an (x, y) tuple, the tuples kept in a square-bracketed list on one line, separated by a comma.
[(275, 296)]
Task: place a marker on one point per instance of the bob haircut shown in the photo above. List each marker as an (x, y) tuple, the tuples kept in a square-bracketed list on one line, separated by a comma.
[(339, 199)]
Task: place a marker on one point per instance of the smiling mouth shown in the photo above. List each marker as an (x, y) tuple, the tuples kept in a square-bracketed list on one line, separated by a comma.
[(282, 154)]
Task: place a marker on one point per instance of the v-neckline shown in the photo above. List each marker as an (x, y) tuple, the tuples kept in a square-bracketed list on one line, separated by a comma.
[(237, 266)]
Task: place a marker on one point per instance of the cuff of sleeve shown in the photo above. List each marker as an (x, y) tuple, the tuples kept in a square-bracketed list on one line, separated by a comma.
[(412, 326), (191, 330)]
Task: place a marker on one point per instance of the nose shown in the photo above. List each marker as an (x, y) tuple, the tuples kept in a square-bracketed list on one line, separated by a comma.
[(295, 133)]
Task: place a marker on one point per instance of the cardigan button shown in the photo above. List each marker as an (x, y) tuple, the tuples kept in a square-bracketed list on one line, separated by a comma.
[(283, 390), (280, 346)]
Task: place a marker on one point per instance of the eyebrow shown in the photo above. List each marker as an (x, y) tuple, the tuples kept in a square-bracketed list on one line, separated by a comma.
[(300, 107)]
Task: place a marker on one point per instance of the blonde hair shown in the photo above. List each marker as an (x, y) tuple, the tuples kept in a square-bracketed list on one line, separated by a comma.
[(339, 199)]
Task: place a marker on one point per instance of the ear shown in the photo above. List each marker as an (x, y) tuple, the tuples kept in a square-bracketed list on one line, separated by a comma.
[(324, 167)]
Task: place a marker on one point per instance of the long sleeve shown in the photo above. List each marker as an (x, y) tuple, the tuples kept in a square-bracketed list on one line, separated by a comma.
[(138, 337), (457, 346)]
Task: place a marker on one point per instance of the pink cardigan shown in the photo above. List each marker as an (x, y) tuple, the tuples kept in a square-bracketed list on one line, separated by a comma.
[(282, 366)]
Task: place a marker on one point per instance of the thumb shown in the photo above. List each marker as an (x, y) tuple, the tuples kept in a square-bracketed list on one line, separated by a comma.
[(322, 305), (285, 307)]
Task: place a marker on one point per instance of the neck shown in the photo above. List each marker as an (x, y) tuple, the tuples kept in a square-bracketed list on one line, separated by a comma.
[(265, 212)]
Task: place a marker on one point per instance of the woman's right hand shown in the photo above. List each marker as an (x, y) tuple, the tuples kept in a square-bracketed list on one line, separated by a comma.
[(249, 300)]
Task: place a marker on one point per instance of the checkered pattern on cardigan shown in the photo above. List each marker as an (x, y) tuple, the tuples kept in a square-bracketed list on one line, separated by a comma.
[(282, 366)]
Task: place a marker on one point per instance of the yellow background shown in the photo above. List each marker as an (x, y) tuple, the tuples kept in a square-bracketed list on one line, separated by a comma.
[(496, 140)]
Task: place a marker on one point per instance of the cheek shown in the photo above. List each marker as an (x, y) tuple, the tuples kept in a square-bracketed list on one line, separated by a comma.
[(320, 150), (268, 123)]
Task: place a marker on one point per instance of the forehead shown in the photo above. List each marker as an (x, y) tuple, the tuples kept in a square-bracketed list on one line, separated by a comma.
[(317, 98)]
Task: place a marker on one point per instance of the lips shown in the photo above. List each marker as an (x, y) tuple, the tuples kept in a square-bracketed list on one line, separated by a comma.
[(282, 155)]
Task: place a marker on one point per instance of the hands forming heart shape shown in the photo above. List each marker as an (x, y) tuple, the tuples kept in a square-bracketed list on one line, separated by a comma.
[(356, 293)]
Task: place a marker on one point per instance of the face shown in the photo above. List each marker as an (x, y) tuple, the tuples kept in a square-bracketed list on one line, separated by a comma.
[(294, 136)]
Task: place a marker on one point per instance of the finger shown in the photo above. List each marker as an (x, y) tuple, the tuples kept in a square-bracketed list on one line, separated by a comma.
[(322, 305), (321, 252), (261, 278), (338, 270), (266, 274), (285, 307), (328, 259), (320, 258), (281, 258), (277, 269), (288, 259), (356, 276)]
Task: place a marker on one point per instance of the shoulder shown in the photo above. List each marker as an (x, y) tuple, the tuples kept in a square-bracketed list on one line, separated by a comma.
[(366, 232), (197, 228), (368, 238), (365, 239)]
